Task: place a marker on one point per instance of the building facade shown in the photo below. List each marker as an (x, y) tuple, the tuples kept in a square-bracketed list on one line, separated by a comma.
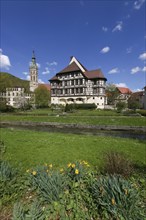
[(75, 84), (17, 97), (123, 94), (139, 98)]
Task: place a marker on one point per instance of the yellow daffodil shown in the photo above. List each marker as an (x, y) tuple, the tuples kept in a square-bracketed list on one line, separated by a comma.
[(47, 171), (69, 165), (34, 173), (113, 201), (77, 171), (126, 191), (73, 165), (61, 170), (50, 165), (27, 171)]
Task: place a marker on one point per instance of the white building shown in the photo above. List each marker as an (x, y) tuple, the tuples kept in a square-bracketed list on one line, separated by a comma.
[(75, 84)]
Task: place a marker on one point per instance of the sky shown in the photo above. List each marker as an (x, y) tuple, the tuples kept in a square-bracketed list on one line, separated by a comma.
[(105, 34)]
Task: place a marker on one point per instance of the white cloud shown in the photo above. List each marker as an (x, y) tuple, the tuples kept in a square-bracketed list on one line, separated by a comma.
[(138, 4), (129, 50), (47, 71), (54, 63), (142, 56), (38, 65), (144, 69), (135, 70), (25, 73), (4, 61), (105, 50), (41, 81), (121, 85), (137, 90), (114, 70), (118, 27), (105, 29), (28, 77)]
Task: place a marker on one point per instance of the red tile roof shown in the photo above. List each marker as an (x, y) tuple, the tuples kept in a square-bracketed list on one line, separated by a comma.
[(54, 78), (70, 68), (94, 74), (124, 90)]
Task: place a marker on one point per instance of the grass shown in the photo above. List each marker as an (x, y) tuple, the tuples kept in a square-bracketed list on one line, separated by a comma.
[(27, 149), (94, 120)]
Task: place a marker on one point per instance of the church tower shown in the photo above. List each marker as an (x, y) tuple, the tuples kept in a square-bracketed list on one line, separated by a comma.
[(33, 70)]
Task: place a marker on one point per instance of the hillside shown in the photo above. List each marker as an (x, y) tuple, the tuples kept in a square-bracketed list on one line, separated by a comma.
[(8, 81)]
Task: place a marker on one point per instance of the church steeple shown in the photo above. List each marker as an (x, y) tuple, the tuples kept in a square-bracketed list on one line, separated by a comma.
[(33, 70)]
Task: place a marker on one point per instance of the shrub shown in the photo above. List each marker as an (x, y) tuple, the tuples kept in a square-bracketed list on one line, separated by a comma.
[(35, 212), (2, 149), (117, 163), (7, 173), (18, 212), (70, 107), (115, 198), (120, 106), (12, 184), (49, 185), (142, 112)]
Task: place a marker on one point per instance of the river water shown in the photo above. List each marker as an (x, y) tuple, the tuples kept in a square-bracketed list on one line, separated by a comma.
[(121, 134)]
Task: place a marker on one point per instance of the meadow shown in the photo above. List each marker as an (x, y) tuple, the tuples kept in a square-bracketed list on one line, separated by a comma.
[(53, 175), (90, 120), (27, 149)]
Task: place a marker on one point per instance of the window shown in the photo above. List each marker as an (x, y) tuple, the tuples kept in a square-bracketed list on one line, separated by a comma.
[(80, 81), (76, 82)]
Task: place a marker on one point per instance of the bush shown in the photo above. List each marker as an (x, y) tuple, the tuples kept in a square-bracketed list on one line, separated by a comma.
[(120, 106), (142, 112), (11, 184), (117, 163), (70, 107), (116, 198), (35, 211), (49, 185)]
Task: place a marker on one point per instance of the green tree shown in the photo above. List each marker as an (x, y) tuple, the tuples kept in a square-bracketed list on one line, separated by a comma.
[(121, 106), (133, 104), (3, 104), (112, 93), (42, 97)]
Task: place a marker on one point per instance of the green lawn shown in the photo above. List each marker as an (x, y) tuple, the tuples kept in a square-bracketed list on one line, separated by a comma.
[(27, 149), (91, 120)]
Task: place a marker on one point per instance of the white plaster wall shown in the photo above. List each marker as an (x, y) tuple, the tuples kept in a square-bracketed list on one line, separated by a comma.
[(97, 100)]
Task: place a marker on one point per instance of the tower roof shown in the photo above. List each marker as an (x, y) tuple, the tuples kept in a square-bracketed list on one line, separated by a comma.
[(33, 60)]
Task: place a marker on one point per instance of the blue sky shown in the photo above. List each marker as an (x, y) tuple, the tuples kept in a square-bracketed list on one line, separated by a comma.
[(110, 35)]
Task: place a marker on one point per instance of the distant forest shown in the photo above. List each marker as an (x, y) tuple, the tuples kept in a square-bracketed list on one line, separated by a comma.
[(7, 80)]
